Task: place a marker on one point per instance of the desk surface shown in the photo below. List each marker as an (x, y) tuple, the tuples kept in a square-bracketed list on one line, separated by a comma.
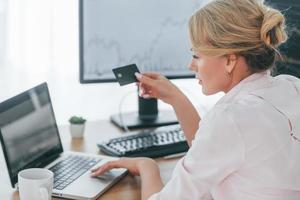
[(127, 188)]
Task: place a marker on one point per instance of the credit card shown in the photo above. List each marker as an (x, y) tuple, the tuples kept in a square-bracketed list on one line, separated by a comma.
[(125, 75)]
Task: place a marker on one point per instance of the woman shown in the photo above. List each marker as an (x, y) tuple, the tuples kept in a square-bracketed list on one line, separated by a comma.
[(248, 145)]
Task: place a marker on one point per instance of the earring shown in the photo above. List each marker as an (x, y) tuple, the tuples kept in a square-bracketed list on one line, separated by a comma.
[(229, 74)]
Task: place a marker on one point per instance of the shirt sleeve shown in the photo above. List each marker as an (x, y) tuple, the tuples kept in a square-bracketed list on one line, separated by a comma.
[(217, 151)]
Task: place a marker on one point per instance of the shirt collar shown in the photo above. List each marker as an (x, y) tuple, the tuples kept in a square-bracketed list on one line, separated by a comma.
[(250, 83)]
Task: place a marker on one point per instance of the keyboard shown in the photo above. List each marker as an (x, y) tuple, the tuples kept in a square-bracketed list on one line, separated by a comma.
[(69, 169), (160, 142)]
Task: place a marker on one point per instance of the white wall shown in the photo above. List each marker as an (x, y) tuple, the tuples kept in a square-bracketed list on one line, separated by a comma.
[(43, 46), (2, 31)]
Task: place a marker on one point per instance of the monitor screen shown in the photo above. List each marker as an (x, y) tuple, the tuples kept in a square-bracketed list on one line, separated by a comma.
[(152, 34), (29, 133)]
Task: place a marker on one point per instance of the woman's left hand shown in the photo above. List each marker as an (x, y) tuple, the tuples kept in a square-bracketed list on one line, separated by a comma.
[(134, 165)]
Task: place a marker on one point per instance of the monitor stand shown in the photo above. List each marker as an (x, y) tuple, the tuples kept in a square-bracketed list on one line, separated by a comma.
[(148, 116)]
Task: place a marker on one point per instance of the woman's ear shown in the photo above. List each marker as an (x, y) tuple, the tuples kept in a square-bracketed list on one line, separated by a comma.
[(231, 63)]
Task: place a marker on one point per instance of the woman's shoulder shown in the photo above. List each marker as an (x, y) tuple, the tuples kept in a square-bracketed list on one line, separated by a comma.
[(287, 77), (238, 106), (288, 83), (280, 90)]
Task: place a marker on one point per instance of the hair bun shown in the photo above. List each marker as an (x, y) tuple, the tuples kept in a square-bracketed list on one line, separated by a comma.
[(273, 28)]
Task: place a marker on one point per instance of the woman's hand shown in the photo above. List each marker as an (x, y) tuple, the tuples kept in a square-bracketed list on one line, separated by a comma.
[(157, 86), (154, 85), (144, 167), (134, 165)]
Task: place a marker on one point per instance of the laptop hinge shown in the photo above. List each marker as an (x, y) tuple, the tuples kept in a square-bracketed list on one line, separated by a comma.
[(47, 161)]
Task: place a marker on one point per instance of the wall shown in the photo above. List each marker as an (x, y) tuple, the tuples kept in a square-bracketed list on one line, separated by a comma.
[(43, 46)]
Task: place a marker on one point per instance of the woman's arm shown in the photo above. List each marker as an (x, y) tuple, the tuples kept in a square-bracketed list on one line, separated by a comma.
[(151, 180), (146, 168), (187, 116), (154, 85)]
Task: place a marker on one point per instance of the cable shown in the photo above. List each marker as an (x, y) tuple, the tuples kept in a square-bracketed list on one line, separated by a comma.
[(120, 111)]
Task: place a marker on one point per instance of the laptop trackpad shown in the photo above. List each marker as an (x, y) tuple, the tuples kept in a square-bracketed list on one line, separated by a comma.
[(109, 175), (89, 187)]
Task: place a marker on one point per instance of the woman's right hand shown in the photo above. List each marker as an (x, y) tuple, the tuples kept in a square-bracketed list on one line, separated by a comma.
[(154, 85)]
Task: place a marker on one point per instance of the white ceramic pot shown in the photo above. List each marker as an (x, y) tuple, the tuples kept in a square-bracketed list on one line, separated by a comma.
[(77, 130)]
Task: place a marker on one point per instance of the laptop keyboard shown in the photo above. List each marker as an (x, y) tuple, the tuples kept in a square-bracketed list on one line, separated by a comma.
[(69, 169)]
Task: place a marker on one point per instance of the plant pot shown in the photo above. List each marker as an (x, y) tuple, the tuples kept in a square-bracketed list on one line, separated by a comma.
[(77, 130)]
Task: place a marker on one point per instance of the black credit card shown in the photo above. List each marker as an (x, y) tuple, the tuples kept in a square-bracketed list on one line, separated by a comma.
[(125, 75)]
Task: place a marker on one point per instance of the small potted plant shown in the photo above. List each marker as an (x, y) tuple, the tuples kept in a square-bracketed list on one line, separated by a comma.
[(77, 125)]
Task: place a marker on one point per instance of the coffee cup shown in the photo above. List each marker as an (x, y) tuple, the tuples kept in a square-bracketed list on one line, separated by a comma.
[(35, 184)]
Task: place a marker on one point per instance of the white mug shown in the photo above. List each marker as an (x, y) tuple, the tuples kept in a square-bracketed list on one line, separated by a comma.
[(35, 184)]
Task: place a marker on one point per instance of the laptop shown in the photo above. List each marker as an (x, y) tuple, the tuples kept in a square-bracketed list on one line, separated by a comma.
[(30, 138)]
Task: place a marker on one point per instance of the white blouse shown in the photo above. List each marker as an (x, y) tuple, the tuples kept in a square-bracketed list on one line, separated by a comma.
[(247, 147)]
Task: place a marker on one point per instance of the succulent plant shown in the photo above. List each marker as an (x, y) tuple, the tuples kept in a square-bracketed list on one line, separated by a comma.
[(77, 120)]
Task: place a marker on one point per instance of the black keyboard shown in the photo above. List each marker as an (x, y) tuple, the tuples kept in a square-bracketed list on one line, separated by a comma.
[(69, 169), (162, 141)]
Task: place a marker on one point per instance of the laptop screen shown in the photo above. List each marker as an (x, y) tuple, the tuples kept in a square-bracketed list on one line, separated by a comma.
[(29, 134)]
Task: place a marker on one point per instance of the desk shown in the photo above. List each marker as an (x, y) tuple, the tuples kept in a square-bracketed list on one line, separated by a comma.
[(127, 188)]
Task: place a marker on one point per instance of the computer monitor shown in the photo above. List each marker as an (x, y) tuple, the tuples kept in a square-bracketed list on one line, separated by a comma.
[(290, 50), (152, 34)]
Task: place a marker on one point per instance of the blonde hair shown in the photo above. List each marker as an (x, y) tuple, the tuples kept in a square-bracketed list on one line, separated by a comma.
[(246, 27)]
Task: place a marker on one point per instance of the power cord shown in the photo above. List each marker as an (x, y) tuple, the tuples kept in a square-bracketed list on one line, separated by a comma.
[(120, 111)]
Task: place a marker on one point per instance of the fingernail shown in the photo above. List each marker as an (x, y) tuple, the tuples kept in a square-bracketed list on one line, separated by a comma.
[(138, 75)]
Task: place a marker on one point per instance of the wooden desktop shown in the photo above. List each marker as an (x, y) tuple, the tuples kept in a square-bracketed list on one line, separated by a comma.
[(126, 188)]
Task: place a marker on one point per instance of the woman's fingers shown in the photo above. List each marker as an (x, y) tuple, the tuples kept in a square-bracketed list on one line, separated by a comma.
[(144, 79), (146, 91), (149, 84), (106, 167), (144, 88)]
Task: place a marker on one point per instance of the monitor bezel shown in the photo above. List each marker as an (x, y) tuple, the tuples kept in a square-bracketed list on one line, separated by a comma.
[(81, 56), (49, 155)]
